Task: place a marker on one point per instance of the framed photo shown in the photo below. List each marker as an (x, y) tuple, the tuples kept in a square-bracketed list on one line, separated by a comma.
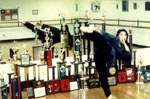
[(95, 6), (135, 6), (25, 59), (34, 12)]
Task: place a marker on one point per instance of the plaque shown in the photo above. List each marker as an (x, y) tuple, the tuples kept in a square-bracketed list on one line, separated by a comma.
[(112, 80), (93, 83), (25, 59), (73, 85), (130, 73), (39, 88), (112, 71), (39, 92), (121, 77), (65, 85), (52, 86)]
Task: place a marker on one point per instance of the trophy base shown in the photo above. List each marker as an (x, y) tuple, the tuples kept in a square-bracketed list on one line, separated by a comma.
[(139, 82)]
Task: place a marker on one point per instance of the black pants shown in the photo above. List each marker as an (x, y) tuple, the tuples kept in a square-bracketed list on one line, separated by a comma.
[(100, 61), (101, 57)]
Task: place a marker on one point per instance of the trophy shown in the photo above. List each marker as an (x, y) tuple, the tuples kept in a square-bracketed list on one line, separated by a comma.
[(140, 61), (103, 22), (48, 46), (47, 43)]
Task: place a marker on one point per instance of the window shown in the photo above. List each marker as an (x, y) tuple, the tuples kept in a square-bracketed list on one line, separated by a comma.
[(125, 5), (147, 6)]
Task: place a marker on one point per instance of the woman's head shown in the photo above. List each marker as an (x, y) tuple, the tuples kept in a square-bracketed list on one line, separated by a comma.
[(123, 35)]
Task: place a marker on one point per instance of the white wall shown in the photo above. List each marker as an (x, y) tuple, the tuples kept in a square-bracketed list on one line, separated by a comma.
[(49, 9), (108, 7)]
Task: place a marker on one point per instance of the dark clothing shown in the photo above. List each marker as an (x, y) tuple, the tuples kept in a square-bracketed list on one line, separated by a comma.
[(54, 30), (41, 34), (101, 56), (106, 46)]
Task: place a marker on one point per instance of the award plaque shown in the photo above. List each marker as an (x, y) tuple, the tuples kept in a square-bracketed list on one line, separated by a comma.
[(25, 59), (73, 85), (52, 86), (93, 83), (39, 92), (39, 88), (65, 85), (112, 71), (130, 73), (112, 80), (121, 76), (72, 78)]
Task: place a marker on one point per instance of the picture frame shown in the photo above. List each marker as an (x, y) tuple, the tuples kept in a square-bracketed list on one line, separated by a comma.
[(95, 6), (135, 6), (35, 12), (73, 85), (25, 59)]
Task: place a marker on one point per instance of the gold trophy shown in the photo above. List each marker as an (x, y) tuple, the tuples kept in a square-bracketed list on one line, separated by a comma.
[(140, 63)]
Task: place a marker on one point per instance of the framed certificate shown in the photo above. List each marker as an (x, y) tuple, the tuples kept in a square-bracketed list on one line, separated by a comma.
[(39, 92), (73, 85), (25, 59)]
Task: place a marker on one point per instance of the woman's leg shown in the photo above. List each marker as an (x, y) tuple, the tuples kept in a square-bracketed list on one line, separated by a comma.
[(100, 61)]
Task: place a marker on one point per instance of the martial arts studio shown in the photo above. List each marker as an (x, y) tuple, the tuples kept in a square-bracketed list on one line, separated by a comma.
[(57, 49)]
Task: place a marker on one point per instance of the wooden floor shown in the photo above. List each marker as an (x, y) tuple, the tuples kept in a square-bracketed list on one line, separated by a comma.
[(121, 91)]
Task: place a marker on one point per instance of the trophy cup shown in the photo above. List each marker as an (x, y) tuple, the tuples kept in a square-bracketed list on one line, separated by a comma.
[(141, 61)]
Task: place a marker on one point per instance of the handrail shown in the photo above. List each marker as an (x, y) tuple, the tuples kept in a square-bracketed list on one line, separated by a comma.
[(19, 23)]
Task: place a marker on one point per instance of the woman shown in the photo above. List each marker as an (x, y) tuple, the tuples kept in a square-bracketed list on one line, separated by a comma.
[(108, 49)]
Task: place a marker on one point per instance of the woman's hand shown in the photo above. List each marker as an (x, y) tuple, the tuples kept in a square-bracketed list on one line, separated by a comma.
[(126, 46)]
